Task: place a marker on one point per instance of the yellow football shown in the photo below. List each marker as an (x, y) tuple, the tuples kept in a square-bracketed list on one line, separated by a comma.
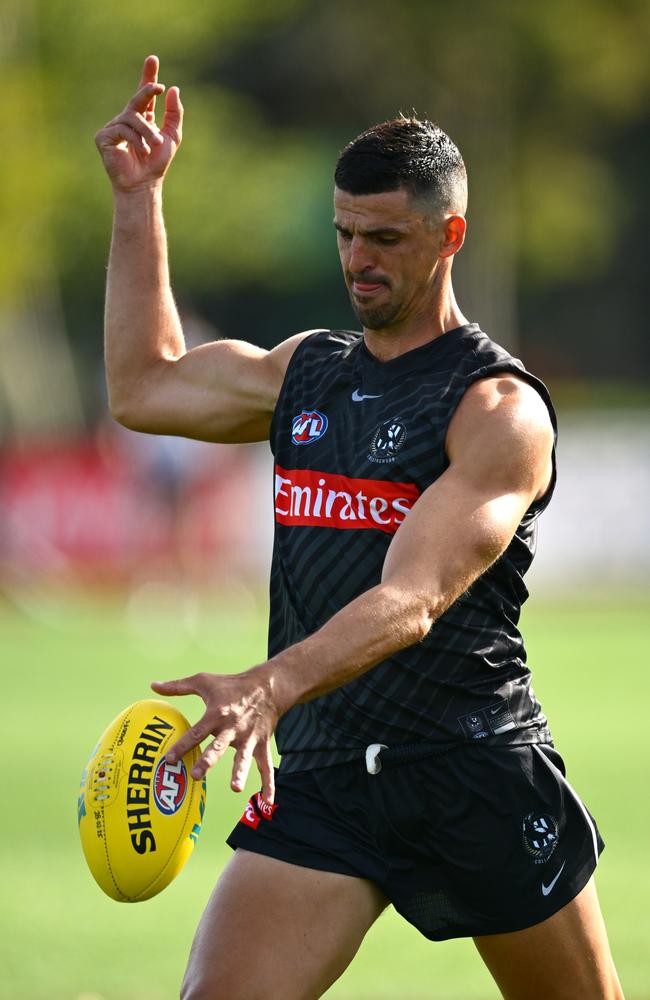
[(139, 817)]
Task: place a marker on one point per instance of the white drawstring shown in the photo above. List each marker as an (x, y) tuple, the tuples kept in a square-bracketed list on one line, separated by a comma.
[(373, 763)]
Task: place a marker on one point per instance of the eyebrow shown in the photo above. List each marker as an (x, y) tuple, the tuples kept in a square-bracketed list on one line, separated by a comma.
[(381, 231)]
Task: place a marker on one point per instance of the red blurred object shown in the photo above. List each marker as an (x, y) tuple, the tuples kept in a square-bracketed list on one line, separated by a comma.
[(98, 509)]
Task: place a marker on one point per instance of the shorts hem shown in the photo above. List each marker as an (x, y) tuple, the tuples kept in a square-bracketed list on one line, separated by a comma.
[(524, 923), (290, 854)]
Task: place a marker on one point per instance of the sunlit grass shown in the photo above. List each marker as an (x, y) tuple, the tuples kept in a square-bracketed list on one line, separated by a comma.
[(70, 666)]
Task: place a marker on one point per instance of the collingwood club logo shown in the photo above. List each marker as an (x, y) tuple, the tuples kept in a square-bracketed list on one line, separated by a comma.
[(387, 441), (540, 836)]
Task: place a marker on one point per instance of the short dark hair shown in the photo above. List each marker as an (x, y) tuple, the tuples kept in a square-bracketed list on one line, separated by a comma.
[(409, 153)]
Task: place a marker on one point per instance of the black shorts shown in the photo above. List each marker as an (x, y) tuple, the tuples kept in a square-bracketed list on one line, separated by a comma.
[(473, 841)]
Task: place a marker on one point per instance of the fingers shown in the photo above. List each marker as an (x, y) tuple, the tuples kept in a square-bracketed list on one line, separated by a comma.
[(117, 132), (144, 96), (212, 753), (173, 120), (149, 71), (193, 738), (150, 75), (139, 124), (264, 762), (241, 766), (196, 733), (185, 685)]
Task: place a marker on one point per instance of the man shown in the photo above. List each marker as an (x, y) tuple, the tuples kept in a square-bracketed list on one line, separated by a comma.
[(412, 462)]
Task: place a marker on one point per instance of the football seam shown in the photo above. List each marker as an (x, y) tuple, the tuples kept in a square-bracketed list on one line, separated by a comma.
[(105, 838), (108, 861), (125, 714), (120, 721)]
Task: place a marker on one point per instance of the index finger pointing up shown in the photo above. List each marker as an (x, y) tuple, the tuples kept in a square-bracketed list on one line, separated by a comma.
[(150, 75)]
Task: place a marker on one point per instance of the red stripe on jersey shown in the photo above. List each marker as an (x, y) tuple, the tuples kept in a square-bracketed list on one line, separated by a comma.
[(326, 500)]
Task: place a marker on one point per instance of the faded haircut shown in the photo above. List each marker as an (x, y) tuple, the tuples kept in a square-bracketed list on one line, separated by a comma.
[(406, 153)]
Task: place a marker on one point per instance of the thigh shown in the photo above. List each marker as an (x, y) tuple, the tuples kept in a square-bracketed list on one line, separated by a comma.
[(278, 931), (566, 957)]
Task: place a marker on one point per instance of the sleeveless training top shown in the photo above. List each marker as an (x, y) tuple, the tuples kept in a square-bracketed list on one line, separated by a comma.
[(356, 441)]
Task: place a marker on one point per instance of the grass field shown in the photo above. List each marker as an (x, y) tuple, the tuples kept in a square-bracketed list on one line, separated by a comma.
[(70, 666)]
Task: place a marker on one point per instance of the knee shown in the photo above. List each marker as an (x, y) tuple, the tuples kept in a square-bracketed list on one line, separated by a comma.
[(196, 987), (219, 985)]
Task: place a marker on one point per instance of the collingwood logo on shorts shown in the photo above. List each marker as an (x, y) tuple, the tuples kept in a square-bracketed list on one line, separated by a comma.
[(387, 441), (540, 836)]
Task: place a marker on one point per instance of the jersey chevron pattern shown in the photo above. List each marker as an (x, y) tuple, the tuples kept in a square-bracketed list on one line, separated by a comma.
[(355, 442)]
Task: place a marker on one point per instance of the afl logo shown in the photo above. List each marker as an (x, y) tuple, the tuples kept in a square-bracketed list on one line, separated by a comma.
[(540, 836), (169, 786), (308, 426)]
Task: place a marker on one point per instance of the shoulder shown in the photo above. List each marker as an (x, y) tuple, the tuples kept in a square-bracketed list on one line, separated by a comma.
[(279, 357), (503, 422), (505, 396), (321, 340)]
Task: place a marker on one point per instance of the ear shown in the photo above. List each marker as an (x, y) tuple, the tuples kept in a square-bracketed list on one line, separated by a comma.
[(454, 235)]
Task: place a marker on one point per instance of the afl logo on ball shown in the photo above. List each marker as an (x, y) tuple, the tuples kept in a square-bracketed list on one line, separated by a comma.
[(169, 786), (308, 426), (540, 835)]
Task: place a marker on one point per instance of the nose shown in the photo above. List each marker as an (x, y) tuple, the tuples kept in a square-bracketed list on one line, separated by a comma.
[(361, 258)]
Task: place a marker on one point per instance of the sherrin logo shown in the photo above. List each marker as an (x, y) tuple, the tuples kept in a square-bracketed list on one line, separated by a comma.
[(169, 786), (308, 426), (327, 500)]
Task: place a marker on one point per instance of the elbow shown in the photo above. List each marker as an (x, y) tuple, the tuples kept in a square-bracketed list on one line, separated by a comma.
[(413, 614), (423, 615), (125, 413), (120, 413)]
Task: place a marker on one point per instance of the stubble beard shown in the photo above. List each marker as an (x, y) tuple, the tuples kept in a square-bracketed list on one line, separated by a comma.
[(375, 317)]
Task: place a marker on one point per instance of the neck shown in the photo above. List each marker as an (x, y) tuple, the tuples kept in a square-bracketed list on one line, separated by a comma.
[(436, 318)]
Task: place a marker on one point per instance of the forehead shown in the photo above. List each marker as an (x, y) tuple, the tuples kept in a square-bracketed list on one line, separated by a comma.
[(394, 209)]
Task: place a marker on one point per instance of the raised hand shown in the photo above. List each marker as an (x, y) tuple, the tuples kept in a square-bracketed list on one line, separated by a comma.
[(239, 712), (135, 152)]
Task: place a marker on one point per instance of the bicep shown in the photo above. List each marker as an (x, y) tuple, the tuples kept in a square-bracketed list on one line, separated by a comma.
[(500, 447), (455, 531), (223, 391)]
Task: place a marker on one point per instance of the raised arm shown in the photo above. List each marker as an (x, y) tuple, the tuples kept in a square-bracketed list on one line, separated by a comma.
[(222, 391), (499, 445)]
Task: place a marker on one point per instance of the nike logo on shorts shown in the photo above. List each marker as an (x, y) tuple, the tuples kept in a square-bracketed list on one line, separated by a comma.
[(546, 889), (357, 397)]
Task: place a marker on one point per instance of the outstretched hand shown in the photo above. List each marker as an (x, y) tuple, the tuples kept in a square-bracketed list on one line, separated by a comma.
[(239, 712), (136, 153)]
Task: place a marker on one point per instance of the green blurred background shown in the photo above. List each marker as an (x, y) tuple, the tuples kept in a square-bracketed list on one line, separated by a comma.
[(122, 558)]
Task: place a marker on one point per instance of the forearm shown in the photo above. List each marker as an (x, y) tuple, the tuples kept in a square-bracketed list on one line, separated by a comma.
[(371, 628), (447, 541), (142, 328)]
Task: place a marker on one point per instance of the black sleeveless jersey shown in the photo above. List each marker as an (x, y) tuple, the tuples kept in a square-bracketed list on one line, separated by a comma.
[(356, 441)]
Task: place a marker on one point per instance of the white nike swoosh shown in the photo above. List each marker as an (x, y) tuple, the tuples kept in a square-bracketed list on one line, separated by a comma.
[(357, 397), (549, 888)]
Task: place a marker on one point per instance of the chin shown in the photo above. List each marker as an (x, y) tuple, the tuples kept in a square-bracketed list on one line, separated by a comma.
[(375, 319)]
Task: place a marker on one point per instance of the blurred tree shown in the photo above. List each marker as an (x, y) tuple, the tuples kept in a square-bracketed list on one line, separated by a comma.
[(548, 104), (543, 99), (38, 387)]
